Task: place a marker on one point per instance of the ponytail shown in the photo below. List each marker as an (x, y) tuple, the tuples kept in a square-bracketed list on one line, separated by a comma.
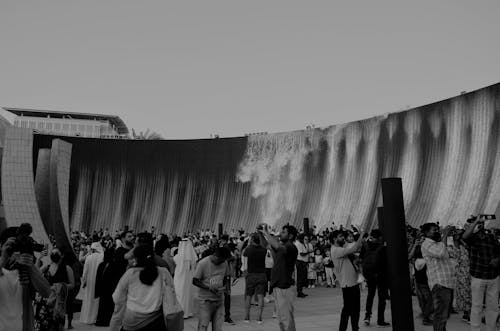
[(145, 258)]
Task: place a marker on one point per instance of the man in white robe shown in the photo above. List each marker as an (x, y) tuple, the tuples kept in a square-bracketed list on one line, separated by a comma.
[(90, 305), (185, 265)]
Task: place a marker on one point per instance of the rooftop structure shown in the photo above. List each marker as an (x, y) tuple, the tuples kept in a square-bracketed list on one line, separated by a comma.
[(72, 124)]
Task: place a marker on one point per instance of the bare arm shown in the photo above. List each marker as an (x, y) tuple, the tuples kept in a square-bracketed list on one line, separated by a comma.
[(71, 278), (470, 230), (271, 241), (354, 248)]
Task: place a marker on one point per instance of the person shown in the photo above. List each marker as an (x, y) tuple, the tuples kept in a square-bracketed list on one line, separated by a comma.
[(185, 262), (127, 244), (440, 273), (374, 265), (484, 262), (330, 275), (224, 242), (106, 282), (139, 294), (70, 259), (211, 276), (311, 273), (269, 266), (90, 305), (424, 294), (284, 253), (256, 281), (319, 266), (60, 277), (16, 315), (347, 276), (304, 249), (163, 250), (463, 289)]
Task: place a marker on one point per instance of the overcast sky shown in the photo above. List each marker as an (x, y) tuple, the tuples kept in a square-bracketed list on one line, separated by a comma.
[(187, 69)]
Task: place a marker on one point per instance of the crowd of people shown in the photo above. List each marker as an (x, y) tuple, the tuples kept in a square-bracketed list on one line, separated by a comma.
[(122, 279)]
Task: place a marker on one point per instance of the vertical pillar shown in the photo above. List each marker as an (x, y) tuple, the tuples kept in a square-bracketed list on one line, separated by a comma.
[(380, 219), (220, 232), (307, 229), (397, 254)]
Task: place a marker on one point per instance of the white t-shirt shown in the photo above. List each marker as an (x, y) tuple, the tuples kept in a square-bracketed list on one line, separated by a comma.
[(343, 267), (11, 301), (303, 248), (140, 298)]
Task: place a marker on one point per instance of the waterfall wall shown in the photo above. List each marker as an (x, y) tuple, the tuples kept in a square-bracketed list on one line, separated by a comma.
[(447, 154)]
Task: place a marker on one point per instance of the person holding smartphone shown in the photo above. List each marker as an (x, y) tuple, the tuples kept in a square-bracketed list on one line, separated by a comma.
[(484, 252)]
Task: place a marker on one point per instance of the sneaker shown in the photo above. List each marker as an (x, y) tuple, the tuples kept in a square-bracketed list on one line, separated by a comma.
[(259, 322), (367, 321), (229, 321), (383, 324), (266, 300), (301, 295), (246, 321), (427, 322), (275, 315), (313, 286), (466, 319), (308, 286)]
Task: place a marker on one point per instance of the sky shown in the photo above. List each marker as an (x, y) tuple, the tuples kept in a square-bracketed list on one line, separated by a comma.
[(189, 69)]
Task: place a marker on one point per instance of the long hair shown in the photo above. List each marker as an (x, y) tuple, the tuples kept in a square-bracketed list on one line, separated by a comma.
[(145, 258)]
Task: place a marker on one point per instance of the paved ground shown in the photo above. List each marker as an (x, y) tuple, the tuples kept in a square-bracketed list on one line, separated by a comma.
[(320, 311)]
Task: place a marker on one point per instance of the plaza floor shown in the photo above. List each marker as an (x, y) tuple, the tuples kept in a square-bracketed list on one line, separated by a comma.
[(320, 311)]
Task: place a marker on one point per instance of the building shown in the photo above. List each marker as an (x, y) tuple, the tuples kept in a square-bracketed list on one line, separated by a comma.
[(70, 124)]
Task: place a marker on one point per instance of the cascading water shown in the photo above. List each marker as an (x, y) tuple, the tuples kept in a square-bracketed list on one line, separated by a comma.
[(446, 153)]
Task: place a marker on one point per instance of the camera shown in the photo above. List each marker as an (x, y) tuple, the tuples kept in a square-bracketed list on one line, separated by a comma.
[(24, 243), (260, 227)]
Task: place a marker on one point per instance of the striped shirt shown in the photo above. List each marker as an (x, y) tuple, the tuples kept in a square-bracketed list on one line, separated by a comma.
[(440, 269)]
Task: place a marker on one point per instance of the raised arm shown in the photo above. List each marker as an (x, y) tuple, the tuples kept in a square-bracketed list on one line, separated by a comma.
[(271, 241), (436, 250)]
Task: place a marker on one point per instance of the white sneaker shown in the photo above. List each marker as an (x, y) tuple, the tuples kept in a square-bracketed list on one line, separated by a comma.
[(266, 300), (275, 315), (313, 286), (259, 322), (246, 321)]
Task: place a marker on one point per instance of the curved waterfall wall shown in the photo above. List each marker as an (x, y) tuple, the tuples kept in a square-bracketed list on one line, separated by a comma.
[(447, 154)]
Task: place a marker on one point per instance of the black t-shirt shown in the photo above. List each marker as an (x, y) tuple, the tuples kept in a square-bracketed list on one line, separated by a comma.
[(256, 255), (284, 263)]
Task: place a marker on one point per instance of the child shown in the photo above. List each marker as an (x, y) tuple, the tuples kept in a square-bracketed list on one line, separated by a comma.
[(320, 270), (328, 263), (311, 272)]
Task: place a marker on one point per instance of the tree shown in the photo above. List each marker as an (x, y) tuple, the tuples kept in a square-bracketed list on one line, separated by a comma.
[(146, 135)]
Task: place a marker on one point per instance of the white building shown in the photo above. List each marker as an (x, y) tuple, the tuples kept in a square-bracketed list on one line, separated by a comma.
[(70, 124)]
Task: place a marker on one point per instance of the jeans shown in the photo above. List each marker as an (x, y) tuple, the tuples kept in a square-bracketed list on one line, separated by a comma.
[(424, 296), (330, 276), (484, 290), (301, 275), (227, 305), (441, 298), (210, 311), (352, 306), (376, 284), (284, 305)]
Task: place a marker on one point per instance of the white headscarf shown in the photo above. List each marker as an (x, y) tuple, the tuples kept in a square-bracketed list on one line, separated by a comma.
[(186, 253)]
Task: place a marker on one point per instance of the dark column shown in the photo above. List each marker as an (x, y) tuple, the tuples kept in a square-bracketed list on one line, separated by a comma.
[(380, 218), (306, 226), (397, 254), (220, 232)]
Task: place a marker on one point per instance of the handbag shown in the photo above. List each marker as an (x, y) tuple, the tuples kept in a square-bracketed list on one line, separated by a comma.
[(172, 310)]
